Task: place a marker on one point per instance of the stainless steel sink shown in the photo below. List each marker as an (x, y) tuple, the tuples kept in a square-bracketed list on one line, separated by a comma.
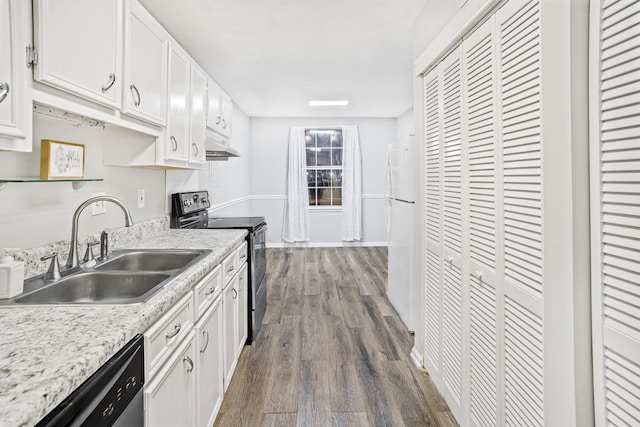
[(148, 260), (96, 287), (127, 277)]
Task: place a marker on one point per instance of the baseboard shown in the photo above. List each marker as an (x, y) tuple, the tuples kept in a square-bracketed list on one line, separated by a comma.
[(280, 245), (417, 359)]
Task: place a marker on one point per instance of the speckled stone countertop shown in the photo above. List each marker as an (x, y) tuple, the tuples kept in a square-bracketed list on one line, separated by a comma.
[(48, 351)]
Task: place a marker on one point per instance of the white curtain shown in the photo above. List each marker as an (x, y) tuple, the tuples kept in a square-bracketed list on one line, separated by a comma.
[(295, 227), (351, 185)]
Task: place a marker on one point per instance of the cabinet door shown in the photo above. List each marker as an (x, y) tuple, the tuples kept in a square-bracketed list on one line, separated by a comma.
[(226, 110), (219, 110), (169, 398), (230, 329), (209, 365), (80, 47), (145, 66), (177, 132), (214, 114), (198, 116), (15, 99), (241, 301)]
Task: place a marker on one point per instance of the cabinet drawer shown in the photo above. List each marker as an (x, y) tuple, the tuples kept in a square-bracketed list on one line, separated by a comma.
[(230, 267), (242, 254), (164, 335), (207, 290)]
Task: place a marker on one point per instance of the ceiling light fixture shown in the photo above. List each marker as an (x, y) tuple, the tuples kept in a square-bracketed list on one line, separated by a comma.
[(329, 103)]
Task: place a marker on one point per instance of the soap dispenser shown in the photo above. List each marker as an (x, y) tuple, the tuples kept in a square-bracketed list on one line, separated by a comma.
[(11, 277)]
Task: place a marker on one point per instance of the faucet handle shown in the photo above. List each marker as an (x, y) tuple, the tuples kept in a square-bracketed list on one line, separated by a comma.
[(104, 244), (88, 255), (53, 272)]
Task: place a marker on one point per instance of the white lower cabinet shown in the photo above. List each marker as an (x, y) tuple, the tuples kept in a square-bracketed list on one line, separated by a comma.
[(230, 309), (209, 383), (170, 396), (188, 367), (242, 302)]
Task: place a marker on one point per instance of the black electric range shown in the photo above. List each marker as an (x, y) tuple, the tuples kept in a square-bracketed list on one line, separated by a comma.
[(189, 211)]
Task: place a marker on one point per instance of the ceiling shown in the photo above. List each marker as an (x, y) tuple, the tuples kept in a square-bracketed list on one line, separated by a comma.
[(273, 56)]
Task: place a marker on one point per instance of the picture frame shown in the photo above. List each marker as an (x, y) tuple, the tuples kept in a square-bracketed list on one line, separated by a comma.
[(61, 160)]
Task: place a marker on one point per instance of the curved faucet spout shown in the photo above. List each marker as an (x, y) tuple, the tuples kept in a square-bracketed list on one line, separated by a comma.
[(73, 258)]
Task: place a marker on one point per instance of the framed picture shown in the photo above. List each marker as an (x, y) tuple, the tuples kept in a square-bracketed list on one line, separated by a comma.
[(61, 160)]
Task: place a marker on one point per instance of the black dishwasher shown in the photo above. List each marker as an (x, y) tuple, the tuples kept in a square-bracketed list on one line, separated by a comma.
[(110, 397)]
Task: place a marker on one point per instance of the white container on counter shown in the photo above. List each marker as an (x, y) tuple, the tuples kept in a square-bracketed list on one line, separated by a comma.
[(11, 277)]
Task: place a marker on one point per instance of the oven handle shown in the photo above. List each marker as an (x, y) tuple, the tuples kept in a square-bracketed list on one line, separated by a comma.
[(260, 229)]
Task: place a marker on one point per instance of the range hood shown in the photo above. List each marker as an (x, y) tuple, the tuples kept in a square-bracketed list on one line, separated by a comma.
[(218, 148)]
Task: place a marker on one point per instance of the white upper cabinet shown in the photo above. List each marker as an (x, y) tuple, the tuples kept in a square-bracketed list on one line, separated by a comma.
[(198, 115), (145, 66), (219, 111), (15, 95), (177, 133), (79, 44)]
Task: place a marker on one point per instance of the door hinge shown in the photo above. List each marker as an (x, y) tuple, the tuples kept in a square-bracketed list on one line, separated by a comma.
[(32, 56)]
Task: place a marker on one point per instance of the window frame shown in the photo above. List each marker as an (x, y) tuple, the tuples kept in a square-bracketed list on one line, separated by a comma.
[(331, 207)]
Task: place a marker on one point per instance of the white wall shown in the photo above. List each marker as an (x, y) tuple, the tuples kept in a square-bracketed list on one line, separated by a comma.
[(269, 139), (39, 213)]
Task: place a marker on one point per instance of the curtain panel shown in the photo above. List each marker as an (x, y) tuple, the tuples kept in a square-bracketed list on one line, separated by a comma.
[(351, 185), (295, 227)]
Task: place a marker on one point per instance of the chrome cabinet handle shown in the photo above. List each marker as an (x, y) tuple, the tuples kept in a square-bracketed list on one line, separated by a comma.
[(136, 95), (224, 124), (189, 363), (205, 334), (107, 86), (174, 143), (450, 259), (478, 275), (235, 293), (4, 91), (195, 149), (230, 269), (210, 291), (243, 256), (176, 331), (218, 120)]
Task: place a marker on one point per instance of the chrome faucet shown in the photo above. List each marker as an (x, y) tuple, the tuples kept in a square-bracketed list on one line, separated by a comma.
[(73, 259)]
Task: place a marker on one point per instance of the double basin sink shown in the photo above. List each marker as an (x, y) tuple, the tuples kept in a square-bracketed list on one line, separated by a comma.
[(126, 277)]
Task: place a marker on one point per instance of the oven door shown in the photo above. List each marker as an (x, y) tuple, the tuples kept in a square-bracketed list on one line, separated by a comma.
[(258, 259)]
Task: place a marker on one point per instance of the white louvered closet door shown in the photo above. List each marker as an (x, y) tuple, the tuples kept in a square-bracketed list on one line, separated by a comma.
[(615, 191), (433, 215), (481, 116), (452, 230), (520, 133)]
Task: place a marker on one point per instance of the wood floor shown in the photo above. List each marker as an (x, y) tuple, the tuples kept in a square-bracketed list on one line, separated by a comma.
[(332, 350)]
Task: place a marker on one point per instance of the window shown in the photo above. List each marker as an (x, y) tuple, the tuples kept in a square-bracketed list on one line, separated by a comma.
[(324, 166)]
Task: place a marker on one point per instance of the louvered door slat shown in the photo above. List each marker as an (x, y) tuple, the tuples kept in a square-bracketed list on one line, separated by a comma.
[(617, 190), (452, 166), (480, 108), (432, 161), (452, 331), (483, 354), (521, 129), (432, 310), (523, 366), (622, 388)]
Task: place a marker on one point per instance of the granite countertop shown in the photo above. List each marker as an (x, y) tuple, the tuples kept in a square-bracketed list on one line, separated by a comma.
[(46, 352)]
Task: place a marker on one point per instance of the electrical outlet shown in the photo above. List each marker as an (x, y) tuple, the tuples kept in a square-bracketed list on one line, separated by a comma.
[(141, 198), (98, 208)]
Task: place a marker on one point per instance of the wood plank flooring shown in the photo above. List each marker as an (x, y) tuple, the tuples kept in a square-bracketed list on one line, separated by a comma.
[(332, 350)]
